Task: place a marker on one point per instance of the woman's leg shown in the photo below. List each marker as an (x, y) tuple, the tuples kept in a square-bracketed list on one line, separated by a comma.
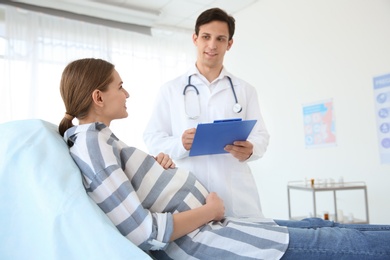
[(315, 238), (305, 223)]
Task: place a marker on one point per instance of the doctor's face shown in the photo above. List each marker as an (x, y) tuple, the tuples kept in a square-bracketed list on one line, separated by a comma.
[(212, 43)]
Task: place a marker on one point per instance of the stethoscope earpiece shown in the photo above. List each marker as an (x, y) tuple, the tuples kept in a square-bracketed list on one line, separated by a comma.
[(237, 108)]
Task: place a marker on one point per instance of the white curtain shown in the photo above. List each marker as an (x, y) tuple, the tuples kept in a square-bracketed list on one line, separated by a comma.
[(37, 47)]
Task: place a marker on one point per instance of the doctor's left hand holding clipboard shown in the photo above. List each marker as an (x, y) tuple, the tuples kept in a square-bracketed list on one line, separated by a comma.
[(211, 138)]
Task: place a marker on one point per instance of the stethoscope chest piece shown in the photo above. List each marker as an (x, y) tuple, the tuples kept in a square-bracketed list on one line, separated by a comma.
[(237, 108)]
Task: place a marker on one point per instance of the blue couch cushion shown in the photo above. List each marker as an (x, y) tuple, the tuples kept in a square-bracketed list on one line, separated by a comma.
[(45, 212)]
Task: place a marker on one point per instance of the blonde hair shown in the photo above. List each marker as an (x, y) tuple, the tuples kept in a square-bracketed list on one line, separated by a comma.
[(79, 79)]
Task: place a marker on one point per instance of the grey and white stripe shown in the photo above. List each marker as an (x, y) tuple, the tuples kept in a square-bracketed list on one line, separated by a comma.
[(139, 197)]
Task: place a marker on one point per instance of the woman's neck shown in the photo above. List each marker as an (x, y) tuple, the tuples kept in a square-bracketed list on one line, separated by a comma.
[(92, 119)]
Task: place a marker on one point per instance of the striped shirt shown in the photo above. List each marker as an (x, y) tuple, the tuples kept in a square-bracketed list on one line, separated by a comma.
[(140, 196)]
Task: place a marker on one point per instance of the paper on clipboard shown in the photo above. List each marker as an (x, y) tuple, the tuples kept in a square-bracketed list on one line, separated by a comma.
[(211, 138)]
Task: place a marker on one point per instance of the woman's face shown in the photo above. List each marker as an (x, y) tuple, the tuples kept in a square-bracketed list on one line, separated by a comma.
[(114, 100)]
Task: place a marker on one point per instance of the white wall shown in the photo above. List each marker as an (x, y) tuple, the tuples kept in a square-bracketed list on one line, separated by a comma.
[(301, 51)]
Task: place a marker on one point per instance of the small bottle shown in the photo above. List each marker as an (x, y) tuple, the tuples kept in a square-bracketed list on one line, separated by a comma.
[(326, 215)]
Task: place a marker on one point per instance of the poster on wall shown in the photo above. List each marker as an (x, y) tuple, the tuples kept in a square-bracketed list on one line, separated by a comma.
[(382, 110), (319, 124)]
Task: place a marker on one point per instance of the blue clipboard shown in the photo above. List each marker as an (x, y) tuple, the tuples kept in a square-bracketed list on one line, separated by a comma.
[(211, 138)]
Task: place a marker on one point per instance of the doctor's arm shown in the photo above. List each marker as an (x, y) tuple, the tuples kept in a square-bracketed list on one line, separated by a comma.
[(256, 144), (159, 134), (259, 137)]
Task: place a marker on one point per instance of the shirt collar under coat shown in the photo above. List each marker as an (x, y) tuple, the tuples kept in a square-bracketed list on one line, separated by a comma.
[(194, 72)]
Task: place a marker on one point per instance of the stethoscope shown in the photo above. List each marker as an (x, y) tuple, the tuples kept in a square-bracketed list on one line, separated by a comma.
[(237, 108)]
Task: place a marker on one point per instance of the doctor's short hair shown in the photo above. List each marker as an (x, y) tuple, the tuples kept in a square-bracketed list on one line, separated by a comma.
[(215, 14)]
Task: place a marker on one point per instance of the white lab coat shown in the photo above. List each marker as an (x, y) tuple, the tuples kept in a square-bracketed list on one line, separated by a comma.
[(222, 173)]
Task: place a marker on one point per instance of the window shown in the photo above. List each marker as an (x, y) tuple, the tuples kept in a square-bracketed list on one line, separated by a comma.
[(36, 48)]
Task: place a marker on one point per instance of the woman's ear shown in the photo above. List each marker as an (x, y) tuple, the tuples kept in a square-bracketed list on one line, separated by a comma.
[(97, 97)]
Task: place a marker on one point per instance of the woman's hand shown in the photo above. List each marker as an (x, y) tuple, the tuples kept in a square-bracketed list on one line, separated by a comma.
[(215, 205), (165, 161), (187, 221)]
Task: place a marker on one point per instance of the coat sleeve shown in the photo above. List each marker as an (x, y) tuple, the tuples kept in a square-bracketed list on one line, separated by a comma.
[(259, 137), (159, 135)]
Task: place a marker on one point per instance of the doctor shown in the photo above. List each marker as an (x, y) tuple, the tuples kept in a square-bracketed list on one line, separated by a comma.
[(208, 92)]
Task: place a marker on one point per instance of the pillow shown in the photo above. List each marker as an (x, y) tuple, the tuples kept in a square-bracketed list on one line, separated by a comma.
[(45, 212)]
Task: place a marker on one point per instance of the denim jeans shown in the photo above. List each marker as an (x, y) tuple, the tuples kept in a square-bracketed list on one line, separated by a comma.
[(315, 238)]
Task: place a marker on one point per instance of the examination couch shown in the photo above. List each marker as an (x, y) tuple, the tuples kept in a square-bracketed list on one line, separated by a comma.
[(45, 212)]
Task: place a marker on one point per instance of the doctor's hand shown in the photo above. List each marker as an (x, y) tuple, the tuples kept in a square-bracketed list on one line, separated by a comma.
[(187, 138), (165, 161), (241, 150), (216, 206)]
